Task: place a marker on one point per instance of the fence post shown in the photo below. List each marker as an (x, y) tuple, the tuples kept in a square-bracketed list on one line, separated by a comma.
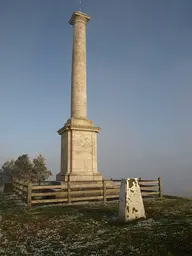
[(29, 195), (16, 187), (69, 192), (104, 191), (21, 189), (13, 185), (160, 187)]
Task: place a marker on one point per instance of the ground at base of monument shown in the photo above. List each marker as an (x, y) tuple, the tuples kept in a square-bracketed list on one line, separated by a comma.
[(93, 229)]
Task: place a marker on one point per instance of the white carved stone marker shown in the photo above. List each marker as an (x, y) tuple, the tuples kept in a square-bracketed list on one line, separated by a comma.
[(130, 202)]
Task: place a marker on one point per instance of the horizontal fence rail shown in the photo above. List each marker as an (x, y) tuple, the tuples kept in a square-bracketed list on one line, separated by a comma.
[(71, 192)]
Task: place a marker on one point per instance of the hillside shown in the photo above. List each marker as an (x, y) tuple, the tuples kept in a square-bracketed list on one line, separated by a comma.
[(93, 229)]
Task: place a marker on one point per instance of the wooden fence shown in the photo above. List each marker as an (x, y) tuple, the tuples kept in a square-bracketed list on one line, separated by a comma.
[(71, 192)]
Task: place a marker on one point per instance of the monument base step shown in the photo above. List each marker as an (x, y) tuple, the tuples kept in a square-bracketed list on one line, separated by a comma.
[(73, 178)]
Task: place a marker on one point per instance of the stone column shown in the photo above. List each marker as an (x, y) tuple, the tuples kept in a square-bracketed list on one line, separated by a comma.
[(79, 135), (79, 21)]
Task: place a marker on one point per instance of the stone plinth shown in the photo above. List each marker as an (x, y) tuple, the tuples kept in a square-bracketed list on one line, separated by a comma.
[(130, 202), (79, 151)]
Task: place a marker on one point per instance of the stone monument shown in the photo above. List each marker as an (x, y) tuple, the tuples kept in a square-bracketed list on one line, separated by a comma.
[(130, 201), (79, 135)]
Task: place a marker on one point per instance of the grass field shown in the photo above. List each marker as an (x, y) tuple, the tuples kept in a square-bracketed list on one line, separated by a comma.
[(93, 229)]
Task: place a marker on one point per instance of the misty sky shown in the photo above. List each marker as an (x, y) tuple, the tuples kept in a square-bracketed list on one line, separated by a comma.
[(139, 55)]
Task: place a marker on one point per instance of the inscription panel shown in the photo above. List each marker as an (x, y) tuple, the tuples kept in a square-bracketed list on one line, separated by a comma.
[(83, 151)]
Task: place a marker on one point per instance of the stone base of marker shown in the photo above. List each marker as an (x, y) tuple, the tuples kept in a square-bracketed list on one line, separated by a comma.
[(130, 202), (79, 151)]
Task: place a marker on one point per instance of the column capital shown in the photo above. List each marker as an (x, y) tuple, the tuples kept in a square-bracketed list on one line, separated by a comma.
[(79, 16)]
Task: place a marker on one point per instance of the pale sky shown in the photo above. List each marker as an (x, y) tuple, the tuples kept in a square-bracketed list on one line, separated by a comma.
[(139, 84)]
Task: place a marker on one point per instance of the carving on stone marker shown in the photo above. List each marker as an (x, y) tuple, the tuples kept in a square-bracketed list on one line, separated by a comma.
[(85, 141)]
